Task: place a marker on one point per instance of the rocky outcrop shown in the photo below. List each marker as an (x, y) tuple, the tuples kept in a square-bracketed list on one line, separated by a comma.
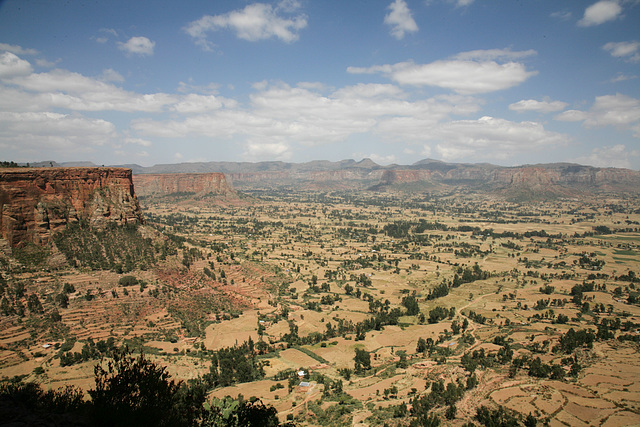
[(310, 180), (196, 184), (38, 202), (561, 179), (539, 177), (405, 176)]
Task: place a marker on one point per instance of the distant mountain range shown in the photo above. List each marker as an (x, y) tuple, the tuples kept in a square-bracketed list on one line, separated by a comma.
[(428, 175)]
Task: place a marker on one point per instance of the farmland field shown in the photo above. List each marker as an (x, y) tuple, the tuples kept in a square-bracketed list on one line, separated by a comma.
[(384, 307)]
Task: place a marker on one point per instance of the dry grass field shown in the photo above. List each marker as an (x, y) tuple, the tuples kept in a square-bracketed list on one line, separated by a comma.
[(385, 308)]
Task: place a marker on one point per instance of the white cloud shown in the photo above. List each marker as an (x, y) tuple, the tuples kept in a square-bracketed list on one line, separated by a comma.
[(572, 116), (279, 119), (110, 31), (613, 110), (221, 124), (111, 75), (40, 133), (600, 12), (465, 76), (45, 63), (256, 21), (13, 66), (626, 50), (64, 89), (379, 159), (491, 138), (280, 114), (289, 6), (616, 156), (24, 90), (363, 90), (60, 81), (138, 141), (461, 3), (18, 50), (400, 19), (194, 103), (425, 151), (138, 46), (210, 89), (622, 78), (609, 110), (106, 33), (494, 54), (563, 15), (545, 106), (273, 150)]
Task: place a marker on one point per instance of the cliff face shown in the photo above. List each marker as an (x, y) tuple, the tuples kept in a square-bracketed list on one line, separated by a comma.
[(561, 179), (312, 180), (200, 184), (405, 176), (36, 203), (529, 176)]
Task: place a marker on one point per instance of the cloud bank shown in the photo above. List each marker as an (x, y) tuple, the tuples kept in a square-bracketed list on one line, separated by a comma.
[(467, 73)]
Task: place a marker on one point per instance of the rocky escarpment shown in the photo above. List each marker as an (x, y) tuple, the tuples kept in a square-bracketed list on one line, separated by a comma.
[(38, 202), (196, 184), (315, 175), (528, 181), (309, 180), (559, 179)]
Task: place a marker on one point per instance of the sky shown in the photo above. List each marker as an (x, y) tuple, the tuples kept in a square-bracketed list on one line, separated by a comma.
[(508, 82)]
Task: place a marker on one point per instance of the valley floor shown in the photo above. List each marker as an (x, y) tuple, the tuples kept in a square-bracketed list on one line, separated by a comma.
[(347, 308)]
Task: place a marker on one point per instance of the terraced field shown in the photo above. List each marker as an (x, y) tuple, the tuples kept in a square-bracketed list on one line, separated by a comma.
[(358, 308)]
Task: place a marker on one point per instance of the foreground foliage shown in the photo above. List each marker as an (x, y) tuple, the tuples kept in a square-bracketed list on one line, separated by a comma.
[(114, 248), (129, 391)]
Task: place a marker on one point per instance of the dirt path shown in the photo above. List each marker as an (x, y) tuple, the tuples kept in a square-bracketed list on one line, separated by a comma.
[(472, 325)]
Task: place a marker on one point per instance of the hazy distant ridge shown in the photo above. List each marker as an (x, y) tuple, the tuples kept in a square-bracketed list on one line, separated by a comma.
[(526, 181)]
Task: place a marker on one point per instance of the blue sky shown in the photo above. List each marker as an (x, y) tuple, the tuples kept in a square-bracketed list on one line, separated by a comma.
[(148, 82)]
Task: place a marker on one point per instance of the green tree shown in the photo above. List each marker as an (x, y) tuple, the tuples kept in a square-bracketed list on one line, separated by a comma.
[(240, 413), (34, 305), (62, 300), (451, 412), (136, 391), (5, 307), (496, 418), (362, 360), (128, 281), (410, 302), (422, 346)]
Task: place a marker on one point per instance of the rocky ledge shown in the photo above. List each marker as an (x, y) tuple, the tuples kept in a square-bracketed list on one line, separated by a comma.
[(38, 202), (197, 184)]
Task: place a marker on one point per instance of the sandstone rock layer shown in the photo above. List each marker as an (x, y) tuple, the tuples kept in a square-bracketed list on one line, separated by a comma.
[(37, 202), (198, 184)]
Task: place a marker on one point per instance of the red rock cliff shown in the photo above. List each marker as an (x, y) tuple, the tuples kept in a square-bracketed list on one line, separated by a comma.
[(37, 202), (536, 177), (170, 183), (404, 176)]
